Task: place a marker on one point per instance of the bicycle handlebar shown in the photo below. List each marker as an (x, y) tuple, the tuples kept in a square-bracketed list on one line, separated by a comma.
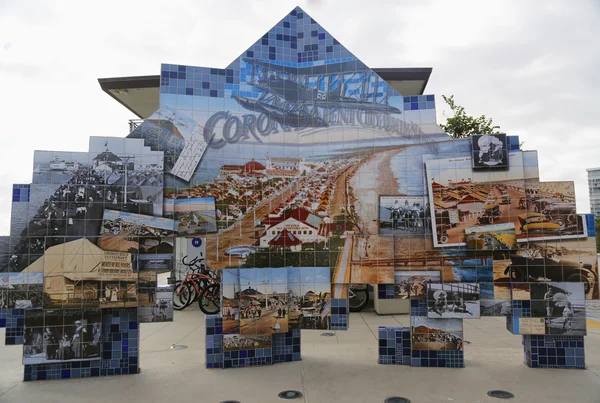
[(196, 260)]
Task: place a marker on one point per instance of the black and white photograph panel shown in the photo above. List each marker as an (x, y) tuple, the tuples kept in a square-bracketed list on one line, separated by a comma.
[(490, 307), (453, 300), (489, 151), (59, 167), (409, 217), (413, 284), (68, 335), (571, 323), (563, 302), (161, 311)]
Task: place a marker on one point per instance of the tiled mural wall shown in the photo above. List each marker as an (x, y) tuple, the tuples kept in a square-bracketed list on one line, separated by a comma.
[(298, 171)]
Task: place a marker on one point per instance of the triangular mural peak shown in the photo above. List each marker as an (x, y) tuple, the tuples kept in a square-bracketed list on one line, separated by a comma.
[(295, 78)]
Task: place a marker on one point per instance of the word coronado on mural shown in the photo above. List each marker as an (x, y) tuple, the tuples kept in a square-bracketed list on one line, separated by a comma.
[(249, 126)]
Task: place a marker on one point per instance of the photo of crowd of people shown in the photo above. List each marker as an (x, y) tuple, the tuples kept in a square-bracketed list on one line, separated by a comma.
[(21, 290), (263, 312), (263, 301), (234, 342), (453, 300), (413, 284), (70, 192), (62, 335), (261, 298), (436, 334), (405, 216), (315, 307)]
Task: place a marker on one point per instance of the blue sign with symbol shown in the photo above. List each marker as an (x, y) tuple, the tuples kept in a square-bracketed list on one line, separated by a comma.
[(197, 242)]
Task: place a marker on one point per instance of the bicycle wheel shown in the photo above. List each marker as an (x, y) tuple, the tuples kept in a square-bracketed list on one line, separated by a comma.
[(182, 294), (210, 300), (202, 284)]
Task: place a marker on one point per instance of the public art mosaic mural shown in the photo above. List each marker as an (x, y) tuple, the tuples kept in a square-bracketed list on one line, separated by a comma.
[(292, 173)]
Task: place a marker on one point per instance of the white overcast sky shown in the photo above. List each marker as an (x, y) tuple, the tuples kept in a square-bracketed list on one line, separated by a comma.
[(531, 65)]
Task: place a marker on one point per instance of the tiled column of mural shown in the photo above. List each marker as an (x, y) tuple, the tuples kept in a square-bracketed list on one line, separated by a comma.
[(87, 259), (298, 171)]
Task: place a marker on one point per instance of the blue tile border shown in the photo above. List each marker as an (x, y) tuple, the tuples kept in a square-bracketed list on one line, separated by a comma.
[(285, 347)]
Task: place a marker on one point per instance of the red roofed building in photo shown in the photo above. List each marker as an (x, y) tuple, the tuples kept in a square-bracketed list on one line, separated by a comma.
[(254, 167), (286, 240), (299, 222)]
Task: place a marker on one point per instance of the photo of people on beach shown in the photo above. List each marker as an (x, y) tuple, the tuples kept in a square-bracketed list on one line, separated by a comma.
[(235, 342), (403, 216), (453, 300), (436, 334), (563, 306), (413, 284)]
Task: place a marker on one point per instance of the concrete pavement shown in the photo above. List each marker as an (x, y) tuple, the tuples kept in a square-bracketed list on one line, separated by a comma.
[(342, 368)]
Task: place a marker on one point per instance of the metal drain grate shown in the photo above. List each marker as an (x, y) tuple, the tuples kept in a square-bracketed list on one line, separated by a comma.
[(396, 399), (500, 394), (328, 334), (290, 394), (178, 347)]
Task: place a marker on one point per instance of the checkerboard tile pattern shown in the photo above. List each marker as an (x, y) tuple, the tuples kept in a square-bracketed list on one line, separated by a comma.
[(285, 347), (418, 307), (442, 359), (394, 345), (385, 291), (120, 351), (512, 143), (3, 314), (554, 351), (15, 326), (419, 102), (214, 341), (340, 314), (521, 308)]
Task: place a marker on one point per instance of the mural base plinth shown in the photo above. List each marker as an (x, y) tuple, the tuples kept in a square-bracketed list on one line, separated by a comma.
[(544, 351)]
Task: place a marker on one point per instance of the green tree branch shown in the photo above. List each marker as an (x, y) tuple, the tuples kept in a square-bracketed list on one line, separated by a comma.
[(462, 125)]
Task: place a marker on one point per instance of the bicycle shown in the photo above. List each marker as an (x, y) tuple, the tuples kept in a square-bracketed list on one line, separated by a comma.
[(198, 282), (196, 265)]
